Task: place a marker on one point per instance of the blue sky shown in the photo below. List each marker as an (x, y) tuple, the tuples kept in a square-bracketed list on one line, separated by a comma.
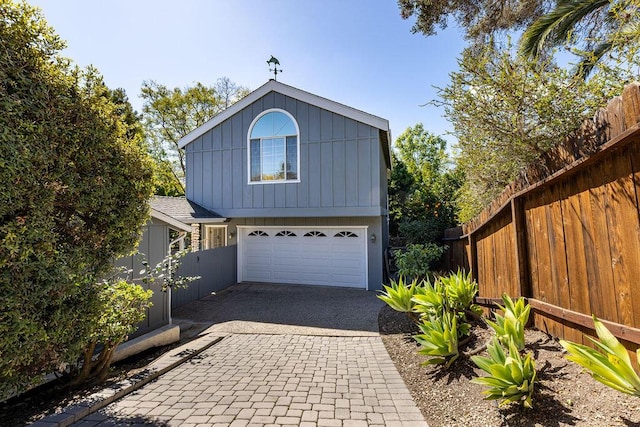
[(357, 52)]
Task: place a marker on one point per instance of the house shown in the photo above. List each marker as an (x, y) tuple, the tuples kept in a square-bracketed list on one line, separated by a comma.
[(298, 183)]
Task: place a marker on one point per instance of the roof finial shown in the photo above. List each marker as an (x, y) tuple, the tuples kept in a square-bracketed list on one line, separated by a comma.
[(273, 60)]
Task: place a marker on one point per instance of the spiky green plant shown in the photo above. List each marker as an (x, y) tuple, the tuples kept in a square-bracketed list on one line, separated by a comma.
[(511, 377), (398, 295), (460, 289), (431, 300), (511, 325), (439, 339), (611, 365)]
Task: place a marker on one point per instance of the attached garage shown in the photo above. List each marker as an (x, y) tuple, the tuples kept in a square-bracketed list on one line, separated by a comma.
[(328, 256)]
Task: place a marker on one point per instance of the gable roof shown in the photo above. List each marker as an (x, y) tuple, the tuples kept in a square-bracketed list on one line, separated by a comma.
[(275, 86), (183, 210)]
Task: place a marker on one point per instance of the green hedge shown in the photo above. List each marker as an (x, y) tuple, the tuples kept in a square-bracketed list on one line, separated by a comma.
[(74, 195)]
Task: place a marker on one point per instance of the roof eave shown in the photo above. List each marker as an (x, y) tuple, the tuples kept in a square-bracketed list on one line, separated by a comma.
[(209, 220), (169, 220)]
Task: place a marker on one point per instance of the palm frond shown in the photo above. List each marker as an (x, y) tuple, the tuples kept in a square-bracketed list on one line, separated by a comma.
[(554, 27)]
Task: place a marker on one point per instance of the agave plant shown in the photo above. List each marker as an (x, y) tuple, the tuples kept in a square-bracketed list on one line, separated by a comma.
[(439, 339), (611, 365), (511, 325), (399, 296), (431, 300), (460, 289), (511, 377)]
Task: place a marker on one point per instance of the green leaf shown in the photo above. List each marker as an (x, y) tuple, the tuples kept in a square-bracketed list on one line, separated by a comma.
[(511, 378), (399, 295), (610, 366)]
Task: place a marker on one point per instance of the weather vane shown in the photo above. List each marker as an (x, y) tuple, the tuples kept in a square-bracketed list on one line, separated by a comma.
[(273, 60)]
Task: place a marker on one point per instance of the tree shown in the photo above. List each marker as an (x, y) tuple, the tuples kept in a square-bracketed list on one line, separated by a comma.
[(422, 153), (74, 195), (506, 111), (170, 114), (400, 185), (422, 187), (596, 24), (164, 181), (229, 92), (480, 19)]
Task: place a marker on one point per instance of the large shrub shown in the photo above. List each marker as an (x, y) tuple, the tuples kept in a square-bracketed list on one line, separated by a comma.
[(74, 191), (417, 261)]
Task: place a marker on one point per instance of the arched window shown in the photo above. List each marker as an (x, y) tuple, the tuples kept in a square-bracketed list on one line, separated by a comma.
[(274, 148)]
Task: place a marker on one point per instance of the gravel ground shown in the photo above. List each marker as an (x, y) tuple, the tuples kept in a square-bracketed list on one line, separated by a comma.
[(565, 396)]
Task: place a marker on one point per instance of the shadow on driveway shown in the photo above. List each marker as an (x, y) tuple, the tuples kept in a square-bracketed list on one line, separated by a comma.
[(257, 308)]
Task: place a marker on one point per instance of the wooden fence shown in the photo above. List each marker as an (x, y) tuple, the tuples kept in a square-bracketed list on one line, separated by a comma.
[(567, 234)]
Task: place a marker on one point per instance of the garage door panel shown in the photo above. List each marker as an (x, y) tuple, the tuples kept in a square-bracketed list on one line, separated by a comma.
[(295, 258), (258, 275), (258, 261), (285, 277)]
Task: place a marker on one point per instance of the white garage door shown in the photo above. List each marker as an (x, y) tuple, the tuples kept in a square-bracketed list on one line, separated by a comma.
[(330, 256)]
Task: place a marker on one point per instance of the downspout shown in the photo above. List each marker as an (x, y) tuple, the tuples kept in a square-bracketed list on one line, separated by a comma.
[(179, 240)]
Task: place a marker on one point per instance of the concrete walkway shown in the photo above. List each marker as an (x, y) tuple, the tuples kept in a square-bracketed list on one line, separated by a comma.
[(289, 355)]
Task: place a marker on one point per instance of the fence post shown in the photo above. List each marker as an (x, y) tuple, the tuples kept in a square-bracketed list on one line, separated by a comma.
[(520, 238), (473, 258)]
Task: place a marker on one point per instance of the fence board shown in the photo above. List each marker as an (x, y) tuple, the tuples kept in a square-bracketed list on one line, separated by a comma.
[(543, 288), (520, 241), (624, 226), (632, 259), (631, 104), (574, 244), (600, 276), (559, 294)]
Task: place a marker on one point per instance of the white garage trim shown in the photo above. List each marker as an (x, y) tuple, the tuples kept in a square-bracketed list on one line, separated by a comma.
[(342, 255)]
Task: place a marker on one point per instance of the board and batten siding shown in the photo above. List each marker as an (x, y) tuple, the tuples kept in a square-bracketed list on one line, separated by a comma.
[(342, 167), (153, 245)]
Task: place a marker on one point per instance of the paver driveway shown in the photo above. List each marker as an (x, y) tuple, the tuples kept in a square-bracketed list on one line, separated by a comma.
[(291, 374)]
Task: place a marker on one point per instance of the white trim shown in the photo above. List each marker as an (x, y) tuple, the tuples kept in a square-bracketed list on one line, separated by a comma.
[(240, 244), (274, 86), (284, 181), (169, 220), (208, 220)]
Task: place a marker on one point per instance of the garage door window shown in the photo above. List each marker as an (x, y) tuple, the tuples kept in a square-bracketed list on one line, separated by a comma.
[(273, 150), (345, 234)]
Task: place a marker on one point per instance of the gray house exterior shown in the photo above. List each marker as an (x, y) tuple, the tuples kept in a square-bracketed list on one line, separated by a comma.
[(161, 233), (298, 183)]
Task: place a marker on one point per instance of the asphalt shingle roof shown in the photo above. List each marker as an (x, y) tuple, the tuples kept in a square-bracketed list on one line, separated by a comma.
[(183, 210)]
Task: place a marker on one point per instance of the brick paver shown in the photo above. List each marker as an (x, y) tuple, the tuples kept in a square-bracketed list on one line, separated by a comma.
[(273, 380)]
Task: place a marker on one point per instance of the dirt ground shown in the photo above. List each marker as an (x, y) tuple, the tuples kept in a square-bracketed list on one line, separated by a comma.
[(564, 396), (56, 395)]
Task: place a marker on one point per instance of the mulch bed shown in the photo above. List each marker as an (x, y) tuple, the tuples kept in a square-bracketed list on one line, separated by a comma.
[(565, 396)]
